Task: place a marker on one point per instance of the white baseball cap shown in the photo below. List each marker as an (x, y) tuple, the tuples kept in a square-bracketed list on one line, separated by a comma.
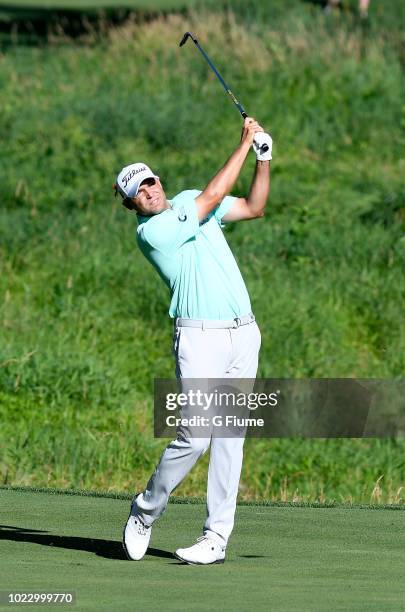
[(130, 178)]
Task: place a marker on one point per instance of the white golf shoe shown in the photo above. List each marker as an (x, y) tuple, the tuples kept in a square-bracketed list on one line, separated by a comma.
[(204, 552), (135, 538)]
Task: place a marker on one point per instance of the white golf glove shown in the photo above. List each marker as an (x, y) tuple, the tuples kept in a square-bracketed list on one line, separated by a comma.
[(261, 138)]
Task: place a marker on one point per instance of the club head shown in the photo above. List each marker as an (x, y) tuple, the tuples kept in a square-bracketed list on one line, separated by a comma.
[(185, 37)]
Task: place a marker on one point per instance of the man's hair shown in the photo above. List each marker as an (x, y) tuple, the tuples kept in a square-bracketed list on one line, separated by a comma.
[(128, 203)]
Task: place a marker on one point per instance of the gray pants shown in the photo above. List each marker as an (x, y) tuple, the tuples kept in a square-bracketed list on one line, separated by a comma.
[(205, 353)]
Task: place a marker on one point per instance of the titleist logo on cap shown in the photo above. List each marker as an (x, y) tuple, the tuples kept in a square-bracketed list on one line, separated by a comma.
[(131, 174)]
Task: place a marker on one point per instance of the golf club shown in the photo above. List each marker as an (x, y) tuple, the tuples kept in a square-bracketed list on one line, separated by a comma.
[(238, 105)]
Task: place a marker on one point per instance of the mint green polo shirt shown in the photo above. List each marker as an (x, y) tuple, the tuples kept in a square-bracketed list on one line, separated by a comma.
[(194, 259)]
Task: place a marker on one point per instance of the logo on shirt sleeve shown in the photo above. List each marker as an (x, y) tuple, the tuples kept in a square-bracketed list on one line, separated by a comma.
[(182, 214)]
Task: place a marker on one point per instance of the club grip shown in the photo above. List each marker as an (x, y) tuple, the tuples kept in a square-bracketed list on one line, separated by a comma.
[(264, 147)]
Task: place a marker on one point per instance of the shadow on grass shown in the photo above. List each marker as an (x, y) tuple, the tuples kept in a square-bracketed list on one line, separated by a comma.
[(102, 548)]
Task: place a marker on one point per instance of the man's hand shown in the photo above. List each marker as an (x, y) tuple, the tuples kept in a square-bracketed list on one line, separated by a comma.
[(250, 128), (260, 140)]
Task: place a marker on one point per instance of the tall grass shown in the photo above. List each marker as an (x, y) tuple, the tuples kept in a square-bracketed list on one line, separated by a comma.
[(84, 318)]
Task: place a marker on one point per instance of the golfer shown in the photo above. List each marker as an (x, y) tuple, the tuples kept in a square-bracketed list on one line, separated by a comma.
[(215, 333)]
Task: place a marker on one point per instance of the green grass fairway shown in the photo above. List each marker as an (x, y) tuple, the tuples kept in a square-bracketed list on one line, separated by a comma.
[(279, 558)]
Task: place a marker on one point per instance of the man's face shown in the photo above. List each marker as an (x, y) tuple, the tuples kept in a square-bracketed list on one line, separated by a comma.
[(151, 199)]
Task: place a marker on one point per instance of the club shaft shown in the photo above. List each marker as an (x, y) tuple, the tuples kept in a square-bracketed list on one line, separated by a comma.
[(221, 80), (238, 105)]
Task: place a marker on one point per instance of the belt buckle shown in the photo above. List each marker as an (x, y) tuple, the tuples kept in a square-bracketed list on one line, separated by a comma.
[(238, 322)]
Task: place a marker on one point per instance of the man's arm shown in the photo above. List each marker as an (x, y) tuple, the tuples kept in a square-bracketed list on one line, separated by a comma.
[(253, 206), (221, 184)]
